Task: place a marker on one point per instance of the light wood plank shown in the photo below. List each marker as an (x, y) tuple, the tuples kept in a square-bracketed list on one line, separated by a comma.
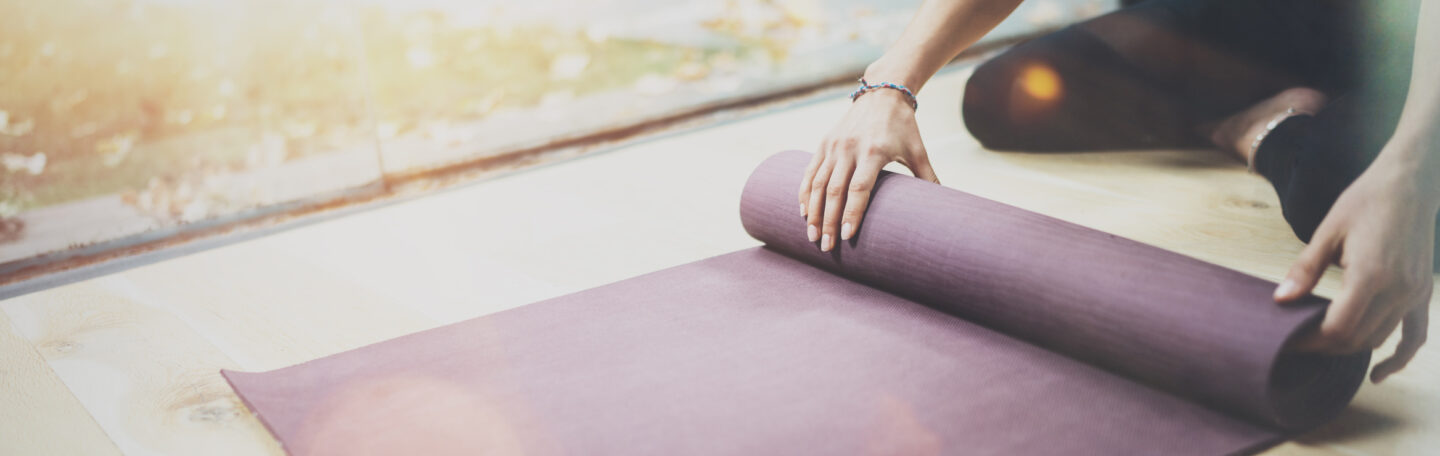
[(143, 349), (41, 416), (149, 381)]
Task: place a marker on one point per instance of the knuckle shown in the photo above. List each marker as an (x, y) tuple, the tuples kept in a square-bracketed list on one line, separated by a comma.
[(861, 186), (834, 191), (817, 185), (1305, 268), (854, 209), (848, 143), (1312, 266)]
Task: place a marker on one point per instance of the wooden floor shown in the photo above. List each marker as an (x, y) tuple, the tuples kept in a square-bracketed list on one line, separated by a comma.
[(129, 363)]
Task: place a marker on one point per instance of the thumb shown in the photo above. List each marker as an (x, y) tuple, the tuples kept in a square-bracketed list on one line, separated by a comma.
[(1307, 270)]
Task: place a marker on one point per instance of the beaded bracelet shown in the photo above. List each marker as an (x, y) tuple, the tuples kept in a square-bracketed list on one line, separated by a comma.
[(866, 87), (1259, 138)]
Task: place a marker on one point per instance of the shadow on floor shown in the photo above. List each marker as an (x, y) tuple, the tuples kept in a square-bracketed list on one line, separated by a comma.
[(1355, 422)]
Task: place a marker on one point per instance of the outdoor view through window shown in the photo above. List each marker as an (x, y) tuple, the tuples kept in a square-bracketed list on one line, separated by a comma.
[(130, 120)]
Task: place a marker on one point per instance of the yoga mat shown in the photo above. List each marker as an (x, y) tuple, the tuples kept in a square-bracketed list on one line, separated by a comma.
[(951, 325)]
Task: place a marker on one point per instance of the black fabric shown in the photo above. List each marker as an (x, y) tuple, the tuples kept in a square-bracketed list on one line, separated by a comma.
[(1161, 73)]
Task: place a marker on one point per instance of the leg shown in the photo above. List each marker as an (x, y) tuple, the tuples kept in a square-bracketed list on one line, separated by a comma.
[(1069, 91), (1157, 74), (1312, 159)]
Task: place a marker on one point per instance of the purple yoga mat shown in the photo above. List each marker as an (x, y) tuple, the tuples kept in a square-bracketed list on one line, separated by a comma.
[(952, 325)]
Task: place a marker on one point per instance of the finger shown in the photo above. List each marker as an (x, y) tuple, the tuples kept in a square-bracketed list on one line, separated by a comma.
[(1307, 270), (835, 202), (1376, 331), (861, 184), (1412, 336), (814, 209), (922, 168), (1383, 314), (1338, 330), (815, 160)]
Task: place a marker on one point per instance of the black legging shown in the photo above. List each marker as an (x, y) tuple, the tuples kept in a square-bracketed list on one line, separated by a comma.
[(1157, 74)]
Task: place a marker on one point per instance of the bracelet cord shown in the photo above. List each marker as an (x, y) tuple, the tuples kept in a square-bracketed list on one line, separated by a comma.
[(867, 87)]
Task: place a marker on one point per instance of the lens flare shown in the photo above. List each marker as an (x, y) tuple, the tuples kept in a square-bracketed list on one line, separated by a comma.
[(1041, 82)]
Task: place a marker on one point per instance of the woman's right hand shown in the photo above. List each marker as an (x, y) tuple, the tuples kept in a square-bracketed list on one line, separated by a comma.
[(879, 129)]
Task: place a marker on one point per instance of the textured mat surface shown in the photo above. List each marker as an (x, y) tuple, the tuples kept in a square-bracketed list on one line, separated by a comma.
[(952, 325)]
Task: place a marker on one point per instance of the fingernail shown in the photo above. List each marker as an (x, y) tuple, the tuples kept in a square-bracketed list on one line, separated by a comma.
[(802, 210), (846, 231), (826, 244), (812, 233), (1285, 289)]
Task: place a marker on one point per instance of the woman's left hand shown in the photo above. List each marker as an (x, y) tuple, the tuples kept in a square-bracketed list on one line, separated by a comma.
[(1382, 232)]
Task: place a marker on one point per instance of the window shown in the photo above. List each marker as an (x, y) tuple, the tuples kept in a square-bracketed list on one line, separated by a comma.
[(124, 121)]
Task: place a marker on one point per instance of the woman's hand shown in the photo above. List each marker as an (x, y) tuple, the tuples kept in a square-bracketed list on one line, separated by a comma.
[(1382, 232), (879, 129)]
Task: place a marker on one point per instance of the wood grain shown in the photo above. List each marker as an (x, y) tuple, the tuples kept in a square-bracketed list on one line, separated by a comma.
[(41, 416)]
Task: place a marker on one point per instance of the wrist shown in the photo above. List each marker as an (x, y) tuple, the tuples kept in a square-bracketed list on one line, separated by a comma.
[(1409, 177), (886, 99), (1415, 145), (891, 69), (1412, 158)]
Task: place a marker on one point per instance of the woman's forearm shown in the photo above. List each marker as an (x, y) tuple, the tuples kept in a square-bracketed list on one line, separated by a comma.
[(1416, 143), (940, 30)]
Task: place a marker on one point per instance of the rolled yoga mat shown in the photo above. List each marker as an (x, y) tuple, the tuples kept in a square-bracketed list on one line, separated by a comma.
[(950, 325)]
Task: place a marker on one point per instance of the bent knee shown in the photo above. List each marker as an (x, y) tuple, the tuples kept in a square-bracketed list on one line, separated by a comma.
[(1010, 99), (985, 107)]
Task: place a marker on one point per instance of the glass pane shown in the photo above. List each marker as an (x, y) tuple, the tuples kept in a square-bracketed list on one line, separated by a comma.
[(128, 120), (128, 117), (456, 81)]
